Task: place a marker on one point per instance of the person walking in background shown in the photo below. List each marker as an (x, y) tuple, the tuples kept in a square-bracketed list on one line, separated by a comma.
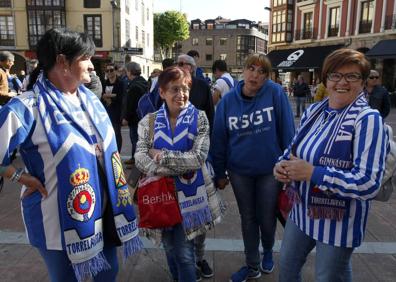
[(182, 156), (136, 88), (333, 169), (253, 125), (199, 73), (72, 183), (200, 96), (32, 65), (112, 97), (378, 96), (300, 91), (224, 81), (6, 62)]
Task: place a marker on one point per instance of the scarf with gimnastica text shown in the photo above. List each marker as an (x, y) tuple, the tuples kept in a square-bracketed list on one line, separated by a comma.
[(335, 150), (190, 187), (78, 179)]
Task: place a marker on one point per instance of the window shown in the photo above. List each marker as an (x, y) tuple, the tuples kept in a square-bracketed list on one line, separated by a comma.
[(223, 57), (223, 41), (209, 41), (208, 57), (334, 21), (93, 27), (307, 26), (127, 7), (128, 33), (143, 19), (195, 41), (196, 26), (92, 3), (148, 14), (148, 40), (279, 25), (143, 38), (209, 26), (136, 5), (6, 31), (137, 34), (366, 16), (42, 19), (5, 3)]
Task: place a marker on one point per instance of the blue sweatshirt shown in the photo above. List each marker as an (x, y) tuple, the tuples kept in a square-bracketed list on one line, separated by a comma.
[(249, 135)]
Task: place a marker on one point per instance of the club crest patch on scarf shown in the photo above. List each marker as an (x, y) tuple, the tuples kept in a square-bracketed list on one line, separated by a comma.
[(124, 197), (81, 200)]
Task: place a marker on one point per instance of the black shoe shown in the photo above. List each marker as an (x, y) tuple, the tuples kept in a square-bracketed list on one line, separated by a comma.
[(198, 275), (204, 268)]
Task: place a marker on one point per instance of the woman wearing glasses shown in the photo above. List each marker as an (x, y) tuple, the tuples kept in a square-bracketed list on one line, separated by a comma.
[(253, 125), (180, 148), (378, 96), (333, 169)]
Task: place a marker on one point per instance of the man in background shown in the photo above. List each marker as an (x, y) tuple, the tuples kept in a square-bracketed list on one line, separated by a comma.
[(300, 91), (199, 71), (378, 96), (224, 81), (6, 62)]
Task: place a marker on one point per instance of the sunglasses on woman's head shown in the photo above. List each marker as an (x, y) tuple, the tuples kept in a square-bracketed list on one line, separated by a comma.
[(109, 70)]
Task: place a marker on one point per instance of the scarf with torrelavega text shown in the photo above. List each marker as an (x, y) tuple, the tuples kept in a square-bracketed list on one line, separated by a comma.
[(78, 180), (190, 187), (336, 151)]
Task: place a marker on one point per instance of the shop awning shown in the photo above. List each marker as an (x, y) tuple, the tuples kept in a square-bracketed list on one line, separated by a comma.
[(300, 58), (384, 49)]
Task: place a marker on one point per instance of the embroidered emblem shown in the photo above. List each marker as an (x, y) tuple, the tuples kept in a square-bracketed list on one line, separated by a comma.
[(118, 172), (124, 197), (81, 200), (188, 177)]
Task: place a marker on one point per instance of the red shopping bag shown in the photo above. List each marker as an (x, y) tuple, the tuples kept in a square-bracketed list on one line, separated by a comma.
[(284, 206), (157, 203)]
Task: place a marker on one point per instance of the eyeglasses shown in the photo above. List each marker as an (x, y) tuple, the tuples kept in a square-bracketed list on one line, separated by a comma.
[(373, 77), (181, 64), (178, 89), (350, 76), (109, 70)]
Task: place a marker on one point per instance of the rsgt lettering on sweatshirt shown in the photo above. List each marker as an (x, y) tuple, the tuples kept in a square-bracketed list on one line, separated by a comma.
[(254, 118)]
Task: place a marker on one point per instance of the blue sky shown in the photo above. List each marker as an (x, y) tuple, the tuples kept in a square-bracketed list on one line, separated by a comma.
[(209, 9)]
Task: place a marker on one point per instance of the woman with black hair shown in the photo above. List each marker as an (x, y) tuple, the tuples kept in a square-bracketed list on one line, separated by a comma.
[(75, 201)]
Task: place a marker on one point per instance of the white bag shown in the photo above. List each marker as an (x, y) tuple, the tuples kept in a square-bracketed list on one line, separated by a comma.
[(389, 178)]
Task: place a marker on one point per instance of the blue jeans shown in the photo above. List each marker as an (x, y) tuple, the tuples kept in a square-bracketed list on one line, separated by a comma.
[(300, 104), (179, 254), (332, 264), (60, 269), (257, 200), (133, 135)]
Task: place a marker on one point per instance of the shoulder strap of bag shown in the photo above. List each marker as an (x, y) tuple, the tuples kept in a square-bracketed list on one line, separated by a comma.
[(151, 125)]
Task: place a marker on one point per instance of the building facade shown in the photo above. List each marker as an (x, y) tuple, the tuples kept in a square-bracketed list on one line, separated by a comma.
[(227, 40), (121, 29), (327, 25)]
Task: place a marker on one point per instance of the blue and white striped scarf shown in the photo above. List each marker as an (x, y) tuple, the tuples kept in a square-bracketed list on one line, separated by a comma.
[(191, 191), (335, 151), (79, 184)]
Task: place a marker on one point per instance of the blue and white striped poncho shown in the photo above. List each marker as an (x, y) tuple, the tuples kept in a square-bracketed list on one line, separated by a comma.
[(358, 131)]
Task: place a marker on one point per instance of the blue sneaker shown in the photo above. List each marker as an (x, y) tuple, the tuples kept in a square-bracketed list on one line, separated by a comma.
[(244, 274), (267, 264)]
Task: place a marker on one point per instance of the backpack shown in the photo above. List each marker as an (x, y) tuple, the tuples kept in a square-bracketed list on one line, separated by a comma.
[(149, 102), (229, 82), (389, 178)]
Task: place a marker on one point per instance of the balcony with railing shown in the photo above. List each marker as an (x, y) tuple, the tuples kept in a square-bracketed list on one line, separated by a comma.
[(390, 22), (333, 31), (365, 26), (304, 34), (5, 3), (7, 41)]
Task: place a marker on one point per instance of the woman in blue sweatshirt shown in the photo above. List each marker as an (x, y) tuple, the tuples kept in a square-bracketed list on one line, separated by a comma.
[(253, 125)]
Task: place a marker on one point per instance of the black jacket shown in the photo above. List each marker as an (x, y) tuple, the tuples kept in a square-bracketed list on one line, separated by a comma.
[(114, 109), (136, 89), (201, 98), (379, 100), (301, 90)]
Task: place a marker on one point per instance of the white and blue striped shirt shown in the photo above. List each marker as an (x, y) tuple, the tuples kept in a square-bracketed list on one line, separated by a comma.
[(357, 180)]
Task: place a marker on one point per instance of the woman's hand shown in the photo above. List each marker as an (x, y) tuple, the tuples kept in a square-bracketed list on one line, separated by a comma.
[(155, 154), (222, 183), (298, 169), (280, 172), (32, 184)]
